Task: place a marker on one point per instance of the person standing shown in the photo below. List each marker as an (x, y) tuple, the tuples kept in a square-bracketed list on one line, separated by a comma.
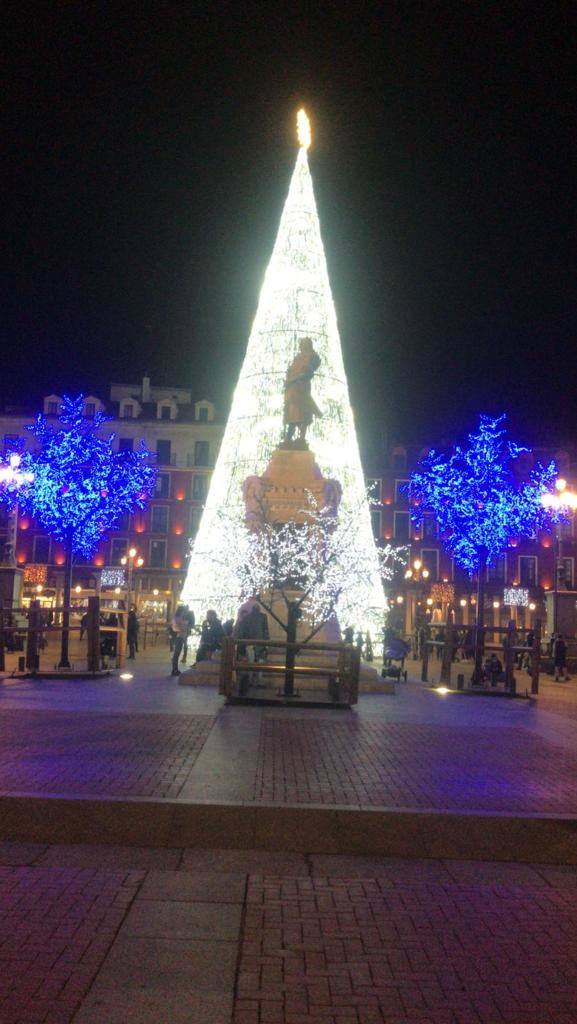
[(132, 627), (191, 621), (180, 631), (83, 625), (560, 658)]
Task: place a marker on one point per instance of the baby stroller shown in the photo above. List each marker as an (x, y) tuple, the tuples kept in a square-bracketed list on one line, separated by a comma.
[(396, 650)]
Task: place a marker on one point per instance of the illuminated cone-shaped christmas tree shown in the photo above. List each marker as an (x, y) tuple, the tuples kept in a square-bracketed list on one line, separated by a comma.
[(295, 303)]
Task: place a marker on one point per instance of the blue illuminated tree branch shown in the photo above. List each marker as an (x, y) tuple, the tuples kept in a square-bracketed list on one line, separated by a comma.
[(81, 487), (479, 500)]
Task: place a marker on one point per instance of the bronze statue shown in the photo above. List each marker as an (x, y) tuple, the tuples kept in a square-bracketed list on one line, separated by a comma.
[(299, 406)]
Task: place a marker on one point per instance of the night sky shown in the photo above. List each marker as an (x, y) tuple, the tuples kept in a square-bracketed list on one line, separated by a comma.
[(147, 151)]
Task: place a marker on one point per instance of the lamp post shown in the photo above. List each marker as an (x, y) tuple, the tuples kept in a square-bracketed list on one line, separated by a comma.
[(564, 501), (131, 559), (416, 574)]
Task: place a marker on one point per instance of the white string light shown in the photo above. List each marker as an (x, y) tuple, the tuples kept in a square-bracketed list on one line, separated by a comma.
[(295, 302)]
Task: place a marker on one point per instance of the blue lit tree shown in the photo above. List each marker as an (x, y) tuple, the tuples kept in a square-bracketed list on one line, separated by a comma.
[(81, 487), (480, 502)]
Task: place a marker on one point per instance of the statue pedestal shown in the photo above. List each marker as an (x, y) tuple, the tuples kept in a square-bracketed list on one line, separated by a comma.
[(290, 476)]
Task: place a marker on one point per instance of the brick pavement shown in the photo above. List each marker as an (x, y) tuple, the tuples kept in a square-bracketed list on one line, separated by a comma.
[(406, 764), (324, 939), (413, 750), (99, 754), (56, 928), (325, 950)]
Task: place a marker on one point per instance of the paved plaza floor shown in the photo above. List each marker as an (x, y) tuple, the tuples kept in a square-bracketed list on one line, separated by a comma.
[(146, 736), (124, 935), (135, 932)]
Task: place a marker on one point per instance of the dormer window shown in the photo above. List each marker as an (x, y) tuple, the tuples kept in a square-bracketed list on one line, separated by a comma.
[(204, 412), (127, 411), (166, 409), (52, 409), (90, 409)]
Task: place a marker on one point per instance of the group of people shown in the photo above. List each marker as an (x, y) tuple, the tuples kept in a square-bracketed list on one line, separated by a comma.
[(109, 636), (251, 624)]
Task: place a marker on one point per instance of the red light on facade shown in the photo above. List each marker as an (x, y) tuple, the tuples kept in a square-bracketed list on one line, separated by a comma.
[(139, 528), (387, 501), (546, 583), (178, 530), (99, 561), (180, 495), (388, 536), (59, 559), (21, 559), (177, 564), (23, 524), (546, 543)]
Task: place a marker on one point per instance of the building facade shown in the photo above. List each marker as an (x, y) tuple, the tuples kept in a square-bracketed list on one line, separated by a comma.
[(185, 436), (430, 587)]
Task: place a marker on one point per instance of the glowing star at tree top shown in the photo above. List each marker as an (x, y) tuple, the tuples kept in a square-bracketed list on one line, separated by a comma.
[(295, 303), (303, 129)]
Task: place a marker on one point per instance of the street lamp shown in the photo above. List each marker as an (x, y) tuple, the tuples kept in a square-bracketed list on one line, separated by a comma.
[(417, 573), (564, 501), (132, 559)]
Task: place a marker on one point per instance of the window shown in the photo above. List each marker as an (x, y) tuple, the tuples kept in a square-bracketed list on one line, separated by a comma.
[(566, 530), (402, 525), (159, 519), (127, 411), (163, 453), (199, 487), (118, 549), (162, 486), (195, 517), (201, 453), (399, 460), (430, 560), (90, 409), (401, 497), (52, 409), (123, 522), (165, 412), (41, 550), (566, 573), (430, 527), (528, 570), (202, 412), (157, 554), (498, 571), (376, 523), (125, 444)]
